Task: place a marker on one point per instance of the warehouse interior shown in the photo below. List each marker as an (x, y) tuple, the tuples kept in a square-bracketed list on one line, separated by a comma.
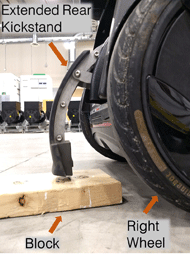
[(27, 60)]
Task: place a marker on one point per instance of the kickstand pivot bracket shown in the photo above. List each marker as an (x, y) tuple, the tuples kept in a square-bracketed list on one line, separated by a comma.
[(77, 75)]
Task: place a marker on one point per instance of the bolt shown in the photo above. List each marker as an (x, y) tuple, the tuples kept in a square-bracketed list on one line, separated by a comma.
[(96, 53), (59, 138), (63, 104), (77, 73)]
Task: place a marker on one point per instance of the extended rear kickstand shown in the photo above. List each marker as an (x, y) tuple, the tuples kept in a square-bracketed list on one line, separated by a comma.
[(78, 75)]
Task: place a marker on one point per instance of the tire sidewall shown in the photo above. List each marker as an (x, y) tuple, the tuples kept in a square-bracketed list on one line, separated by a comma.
[(141, 38)]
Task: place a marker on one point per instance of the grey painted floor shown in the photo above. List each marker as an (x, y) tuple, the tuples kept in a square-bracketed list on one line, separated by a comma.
[(92, 230)]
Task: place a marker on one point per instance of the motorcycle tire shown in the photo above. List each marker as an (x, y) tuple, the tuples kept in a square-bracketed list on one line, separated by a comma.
[(151, 42)]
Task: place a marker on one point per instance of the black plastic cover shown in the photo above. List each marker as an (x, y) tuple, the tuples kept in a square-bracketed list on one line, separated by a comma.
[(62, 160)]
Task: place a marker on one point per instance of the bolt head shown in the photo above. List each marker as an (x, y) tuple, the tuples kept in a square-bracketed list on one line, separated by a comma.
[(96, 53), (63, 104), (77, 73), (59, 138)]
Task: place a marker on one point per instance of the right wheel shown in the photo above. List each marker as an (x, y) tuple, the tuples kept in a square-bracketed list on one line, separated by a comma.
[(149, 96)]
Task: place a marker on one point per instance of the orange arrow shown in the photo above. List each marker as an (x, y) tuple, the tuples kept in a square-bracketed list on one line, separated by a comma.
[(55, 224), (150, 205), (58, 54)]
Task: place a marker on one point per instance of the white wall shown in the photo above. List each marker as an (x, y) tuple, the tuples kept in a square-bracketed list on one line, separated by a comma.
[(23, 59)]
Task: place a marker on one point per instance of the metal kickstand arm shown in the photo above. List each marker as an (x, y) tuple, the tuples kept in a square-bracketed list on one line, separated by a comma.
[(78, 74)]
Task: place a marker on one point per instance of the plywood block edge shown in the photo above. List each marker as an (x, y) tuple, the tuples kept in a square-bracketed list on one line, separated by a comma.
[(41, 193)]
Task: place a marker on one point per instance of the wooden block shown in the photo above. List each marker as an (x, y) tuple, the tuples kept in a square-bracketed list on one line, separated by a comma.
[(41, 193)]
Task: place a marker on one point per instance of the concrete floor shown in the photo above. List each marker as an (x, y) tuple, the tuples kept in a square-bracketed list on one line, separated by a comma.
[(92, 230)]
